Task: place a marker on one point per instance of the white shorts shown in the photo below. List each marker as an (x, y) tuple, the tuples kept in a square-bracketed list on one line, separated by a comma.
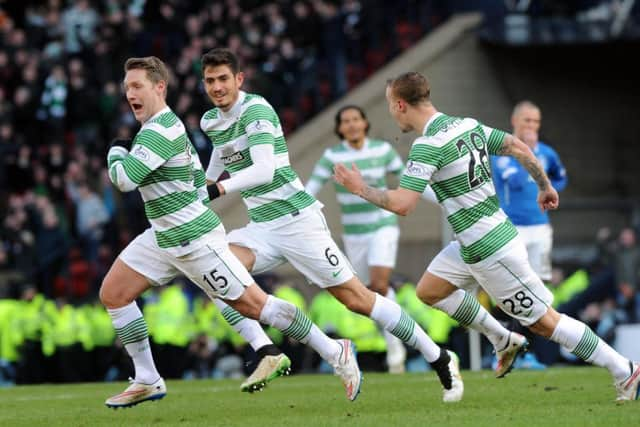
[(304, 241), (213, 267), (377, 249), (539, 241), (507, 277)]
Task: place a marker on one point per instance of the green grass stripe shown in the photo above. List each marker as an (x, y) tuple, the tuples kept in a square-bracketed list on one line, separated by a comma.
[(165, 173), (370, 227), (587, 345), (467, 311), (496, 139), (489, 243), (404, 328), (413, 183), (231, 315), (358, 208), (466, 217), (169, 203), (567, 396), (278, 208), (188, 232), (300, 327), (281, 176), (135, 169)]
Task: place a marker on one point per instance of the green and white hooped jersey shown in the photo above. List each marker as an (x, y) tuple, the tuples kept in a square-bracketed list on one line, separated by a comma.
[(453, 156), (166, 169), (375, 159), (251, 121)]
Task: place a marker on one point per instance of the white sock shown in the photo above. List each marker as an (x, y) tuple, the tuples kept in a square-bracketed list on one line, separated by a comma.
[(249, 329), (392, 318), (580, 340), (292, 322), (394, 344), (132, 331), (466, 310)]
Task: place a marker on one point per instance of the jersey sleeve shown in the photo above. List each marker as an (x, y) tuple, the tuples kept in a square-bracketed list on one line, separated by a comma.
[(149, 151), (423, 162), (322, 171), (495, 139), (261, 124)]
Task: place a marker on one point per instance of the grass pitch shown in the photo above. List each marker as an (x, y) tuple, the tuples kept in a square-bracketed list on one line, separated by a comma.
[(555, 397)]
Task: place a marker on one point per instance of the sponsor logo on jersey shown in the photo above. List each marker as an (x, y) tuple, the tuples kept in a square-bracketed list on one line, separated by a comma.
[(415, 169), (235, 157), (141, 153)]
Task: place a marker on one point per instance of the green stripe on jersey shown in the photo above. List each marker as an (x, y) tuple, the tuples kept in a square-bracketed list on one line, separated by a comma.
[(182, 234), (413, 183), (278, 208), (455, 187), (169, 204), (466, 217), (496, 139), (281, 177), (165, 173), (160, 145), (490, 243)]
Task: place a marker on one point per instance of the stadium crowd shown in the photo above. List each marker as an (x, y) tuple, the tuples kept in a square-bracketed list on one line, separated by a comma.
[(63, 224)]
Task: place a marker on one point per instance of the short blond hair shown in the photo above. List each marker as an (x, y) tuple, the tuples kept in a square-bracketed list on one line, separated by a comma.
[(156, 69)]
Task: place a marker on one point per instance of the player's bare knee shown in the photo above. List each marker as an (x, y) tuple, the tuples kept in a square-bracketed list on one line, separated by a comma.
[(546, 324), (112, 295), (427, 294), (379, 286)]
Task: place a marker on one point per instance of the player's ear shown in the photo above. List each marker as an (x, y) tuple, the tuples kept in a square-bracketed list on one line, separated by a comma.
[(239, 78)]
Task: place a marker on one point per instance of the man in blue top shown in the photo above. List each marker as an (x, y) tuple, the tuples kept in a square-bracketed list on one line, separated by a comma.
[(517, 191)]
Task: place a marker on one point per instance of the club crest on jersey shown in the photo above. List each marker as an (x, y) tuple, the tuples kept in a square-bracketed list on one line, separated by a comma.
[(235, 157), (141, 153), (415, 169)]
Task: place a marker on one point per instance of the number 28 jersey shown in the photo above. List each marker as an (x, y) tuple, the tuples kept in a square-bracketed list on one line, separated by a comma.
[(453, 156)]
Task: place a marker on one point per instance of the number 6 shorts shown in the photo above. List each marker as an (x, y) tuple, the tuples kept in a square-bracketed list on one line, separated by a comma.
[(212, 267), (303, 240), (506, 276)]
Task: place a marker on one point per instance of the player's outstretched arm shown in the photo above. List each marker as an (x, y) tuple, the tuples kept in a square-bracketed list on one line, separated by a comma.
[(399, 201), (547, 195)]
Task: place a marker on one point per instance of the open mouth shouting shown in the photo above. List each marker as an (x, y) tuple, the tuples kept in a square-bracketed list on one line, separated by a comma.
[(136, 107)]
